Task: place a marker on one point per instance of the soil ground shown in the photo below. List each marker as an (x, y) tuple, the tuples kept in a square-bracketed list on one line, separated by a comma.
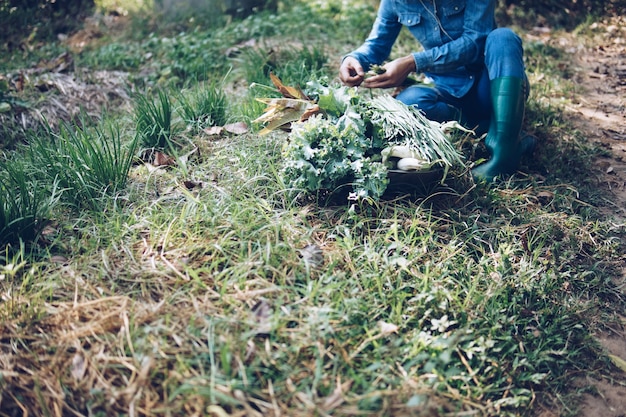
[(599, 111)]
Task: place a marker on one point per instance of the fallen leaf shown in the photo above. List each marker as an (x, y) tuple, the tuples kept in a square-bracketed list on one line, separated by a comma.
[(79, 366), (59, 259), (335, 399), (312, 256), (236, 50), (387, 328), (49, 230), (58, 64), (310, 112), (545, 197), (213, 130), (286, 91), (161, 159), (217, 411), (20, 82), (262, 313), (238, 128), (156, 158), (190, 185)]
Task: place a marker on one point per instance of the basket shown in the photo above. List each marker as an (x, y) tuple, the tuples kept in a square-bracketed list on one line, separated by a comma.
[(414, 182)]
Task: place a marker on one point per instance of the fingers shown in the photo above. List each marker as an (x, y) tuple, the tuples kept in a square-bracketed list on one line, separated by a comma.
[(394, 73), (352, 80), (351, 72), (378, 81)]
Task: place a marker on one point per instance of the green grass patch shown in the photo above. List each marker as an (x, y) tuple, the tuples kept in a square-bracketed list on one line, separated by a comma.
[(26, 204), (153, 118), (86, 164), (203, 287), (203, 106)]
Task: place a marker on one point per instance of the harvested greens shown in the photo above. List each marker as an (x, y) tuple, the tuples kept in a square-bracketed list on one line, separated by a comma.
[(352, 141)]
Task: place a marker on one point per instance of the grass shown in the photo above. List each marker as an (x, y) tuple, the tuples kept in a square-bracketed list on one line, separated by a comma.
[(154, 120), (86, 164), (203, 107), (114, 56), (25, 205), (187, 289)]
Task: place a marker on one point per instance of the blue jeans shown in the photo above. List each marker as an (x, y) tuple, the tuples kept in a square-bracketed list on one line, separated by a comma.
[(503, 58)]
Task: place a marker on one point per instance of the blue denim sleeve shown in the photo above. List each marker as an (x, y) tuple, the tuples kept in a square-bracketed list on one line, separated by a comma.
[(383, 35)]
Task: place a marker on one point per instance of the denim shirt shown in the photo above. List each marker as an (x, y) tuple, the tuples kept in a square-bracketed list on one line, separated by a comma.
[(452, 34)]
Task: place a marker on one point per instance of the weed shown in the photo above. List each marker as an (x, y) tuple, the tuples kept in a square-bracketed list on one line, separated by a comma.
[(113, 56), (25, 205), (194, 55), (203, 106), (86, 164), (255, 65), (303, 65), (248, 108), (153, 119)]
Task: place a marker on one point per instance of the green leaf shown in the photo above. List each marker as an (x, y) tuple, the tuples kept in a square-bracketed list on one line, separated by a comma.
[(335, 101)]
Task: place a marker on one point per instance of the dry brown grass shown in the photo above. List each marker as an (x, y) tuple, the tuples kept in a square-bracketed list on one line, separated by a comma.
[(51, 94)]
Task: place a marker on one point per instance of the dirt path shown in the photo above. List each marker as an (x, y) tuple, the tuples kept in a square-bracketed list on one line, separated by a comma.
[(600, 112)]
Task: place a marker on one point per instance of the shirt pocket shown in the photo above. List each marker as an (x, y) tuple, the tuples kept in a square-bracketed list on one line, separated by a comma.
[(453, 17), (410, 19), (452, 7), (419, 27)]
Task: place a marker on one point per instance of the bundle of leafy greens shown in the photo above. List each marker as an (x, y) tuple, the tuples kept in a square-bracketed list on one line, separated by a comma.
[(344, 141)]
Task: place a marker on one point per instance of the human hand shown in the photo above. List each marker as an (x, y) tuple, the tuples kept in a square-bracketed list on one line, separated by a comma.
[(351, 72), (394, 75)]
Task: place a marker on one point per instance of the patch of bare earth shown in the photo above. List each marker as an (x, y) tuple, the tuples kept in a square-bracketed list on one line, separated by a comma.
[(602, 108), (599, 110), (63, 91)]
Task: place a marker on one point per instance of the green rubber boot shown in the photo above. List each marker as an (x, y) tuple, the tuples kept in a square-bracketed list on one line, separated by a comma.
[(503, 137)]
